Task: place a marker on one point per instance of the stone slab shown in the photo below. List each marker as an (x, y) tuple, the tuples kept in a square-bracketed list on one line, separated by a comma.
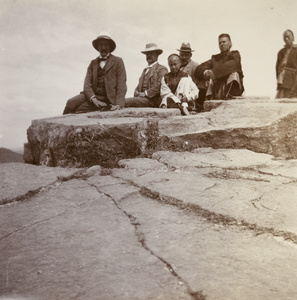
[(220, 181), (74, 243), (18, 179), (264, 126), (208, 224), (82, 140)]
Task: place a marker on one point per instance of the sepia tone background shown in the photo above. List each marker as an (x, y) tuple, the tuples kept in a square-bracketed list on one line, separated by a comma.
[(46, 46)]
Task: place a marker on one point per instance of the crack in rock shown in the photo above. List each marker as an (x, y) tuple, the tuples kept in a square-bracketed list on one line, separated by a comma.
[(81, 174), (255, 200), (195, 295), (23, 197), (289, 182), (226, 174), (292, 179), (218, 219), (32, 224)]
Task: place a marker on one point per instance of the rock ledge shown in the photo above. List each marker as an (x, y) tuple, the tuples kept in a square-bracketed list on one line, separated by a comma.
[(104, 138)]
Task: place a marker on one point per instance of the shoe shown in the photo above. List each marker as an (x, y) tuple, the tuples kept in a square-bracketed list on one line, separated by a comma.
[(184, 110), (199, 108), (115, 107), (192, 105)]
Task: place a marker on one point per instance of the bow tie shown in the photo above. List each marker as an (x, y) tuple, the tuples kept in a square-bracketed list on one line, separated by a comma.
[(102, 59)]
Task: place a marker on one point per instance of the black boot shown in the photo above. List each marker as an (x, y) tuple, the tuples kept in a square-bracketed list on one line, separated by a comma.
[(200, 100)]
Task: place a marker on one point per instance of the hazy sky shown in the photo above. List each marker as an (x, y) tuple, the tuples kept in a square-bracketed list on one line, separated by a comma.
[(46, 46)]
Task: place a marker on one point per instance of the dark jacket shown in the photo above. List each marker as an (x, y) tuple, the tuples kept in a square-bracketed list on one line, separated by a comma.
[(290, 68), (114, 79), (221, 65)]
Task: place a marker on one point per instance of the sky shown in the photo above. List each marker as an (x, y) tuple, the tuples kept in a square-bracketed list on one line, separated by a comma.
[(46, 46)]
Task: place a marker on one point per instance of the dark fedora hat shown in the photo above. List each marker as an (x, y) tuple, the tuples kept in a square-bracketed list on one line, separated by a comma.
[(104, 36), (185, 47), (152, 47)]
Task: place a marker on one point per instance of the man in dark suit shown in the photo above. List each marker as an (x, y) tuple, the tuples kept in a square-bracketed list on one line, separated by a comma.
[(222, 73), (105, 82), (147, 92), (187, 64)]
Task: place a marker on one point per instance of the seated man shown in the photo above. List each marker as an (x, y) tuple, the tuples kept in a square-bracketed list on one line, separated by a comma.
[(222, 73), (177, 88), (147, 92), (105, 81), (189, 66)]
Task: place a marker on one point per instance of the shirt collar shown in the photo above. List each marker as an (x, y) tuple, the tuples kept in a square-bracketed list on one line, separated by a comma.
[(105, 56), (149, 66)]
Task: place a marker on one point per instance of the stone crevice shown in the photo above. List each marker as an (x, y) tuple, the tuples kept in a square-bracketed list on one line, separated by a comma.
[(166, 164), (256, 200), (224, 174), (26, 196), (31, 193), (45, 220), (33, 224), (218, 219), (290, 182), (195, 295), (292, 179)]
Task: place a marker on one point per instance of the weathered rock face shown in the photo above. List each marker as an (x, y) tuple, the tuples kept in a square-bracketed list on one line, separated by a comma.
[(260, 125), (210, 224), (193, 224), (265, 126), (92, 138)]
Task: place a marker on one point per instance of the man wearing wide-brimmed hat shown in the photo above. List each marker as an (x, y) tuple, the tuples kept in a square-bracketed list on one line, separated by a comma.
[(105, 82), (187, 64), (147, 92)]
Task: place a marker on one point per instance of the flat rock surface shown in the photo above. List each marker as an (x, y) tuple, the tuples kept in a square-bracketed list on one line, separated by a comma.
[(206, 224), (260, 125), (18, 179)]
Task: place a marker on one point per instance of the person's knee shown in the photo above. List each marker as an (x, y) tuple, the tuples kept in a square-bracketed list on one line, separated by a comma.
[(129, 102), (137, 102), (73, 103), (86, 107), (66, 111), (69, 107)]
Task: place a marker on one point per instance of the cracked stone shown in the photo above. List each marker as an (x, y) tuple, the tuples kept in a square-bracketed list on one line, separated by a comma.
[(202, 225)]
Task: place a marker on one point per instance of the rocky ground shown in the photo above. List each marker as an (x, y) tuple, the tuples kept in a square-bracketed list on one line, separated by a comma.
[(206, 224)]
